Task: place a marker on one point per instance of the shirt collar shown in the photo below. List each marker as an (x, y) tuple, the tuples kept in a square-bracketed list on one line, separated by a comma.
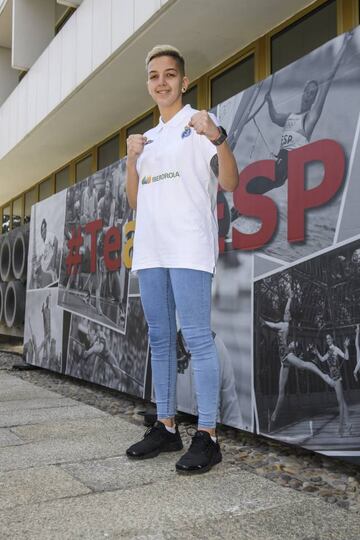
[(177, 119)]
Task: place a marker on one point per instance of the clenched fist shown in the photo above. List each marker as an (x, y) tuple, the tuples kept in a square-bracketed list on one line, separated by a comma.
[(135, 146), (203, 125)]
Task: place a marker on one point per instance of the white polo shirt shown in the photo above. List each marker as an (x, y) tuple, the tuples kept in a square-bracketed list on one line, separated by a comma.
[(176, 221)]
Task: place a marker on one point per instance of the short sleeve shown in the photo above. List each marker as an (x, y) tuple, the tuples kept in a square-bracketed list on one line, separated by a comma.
[(207, 147), (148, 135)]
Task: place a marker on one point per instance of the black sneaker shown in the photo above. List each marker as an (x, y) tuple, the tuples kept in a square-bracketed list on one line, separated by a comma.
[(203, 454), (156, 439)]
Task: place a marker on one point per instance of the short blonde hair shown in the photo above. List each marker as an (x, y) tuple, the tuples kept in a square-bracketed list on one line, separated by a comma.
[(166, 50)]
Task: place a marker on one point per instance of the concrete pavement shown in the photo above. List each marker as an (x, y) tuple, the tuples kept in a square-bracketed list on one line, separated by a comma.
[(63, 475)]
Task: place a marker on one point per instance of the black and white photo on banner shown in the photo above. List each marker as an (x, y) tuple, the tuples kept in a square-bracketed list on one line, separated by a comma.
[(94, 277), (293, 136), (43, 333), (46, 242), (98, 354), (307, 351)]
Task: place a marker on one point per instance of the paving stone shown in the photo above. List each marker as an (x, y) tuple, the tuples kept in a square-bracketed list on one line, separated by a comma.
[(25, 392), (123, 473), (35, 416), (149, 509), (299, 520), (7, 438), (14, 387), (19, 488), (52, 451), (12, 405), (70, 429)]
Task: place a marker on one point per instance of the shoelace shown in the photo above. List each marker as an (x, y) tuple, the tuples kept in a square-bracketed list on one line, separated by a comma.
[(199, 443), (152, 429), (191, 430)]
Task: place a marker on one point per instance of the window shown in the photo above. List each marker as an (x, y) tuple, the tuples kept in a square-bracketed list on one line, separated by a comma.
[(83, 168), (233, 80), (30, 199), (45, 189), (108, 152), (5, 219), (62, 179), (141, 126), (303, 36), (190, 97), (17, 212)]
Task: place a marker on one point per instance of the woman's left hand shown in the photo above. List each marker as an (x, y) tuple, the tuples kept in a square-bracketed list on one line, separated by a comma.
[(204, 125)]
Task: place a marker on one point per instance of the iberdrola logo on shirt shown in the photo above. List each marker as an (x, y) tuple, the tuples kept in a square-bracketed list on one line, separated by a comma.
[(164, 176)]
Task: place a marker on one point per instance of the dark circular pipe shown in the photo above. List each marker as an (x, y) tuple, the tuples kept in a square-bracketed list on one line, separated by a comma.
[(2, 301), (5, 260), (19, 255), (14, 303)]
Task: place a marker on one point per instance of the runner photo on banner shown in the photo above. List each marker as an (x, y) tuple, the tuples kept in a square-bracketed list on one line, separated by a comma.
[(94, 278)]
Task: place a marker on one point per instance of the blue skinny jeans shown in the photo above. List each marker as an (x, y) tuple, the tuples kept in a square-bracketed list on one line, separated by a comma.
[(164, 290)]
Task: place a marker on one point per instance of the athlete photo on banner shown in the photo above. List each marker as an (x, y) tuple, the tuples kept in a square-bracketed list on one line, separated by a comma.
[(307, 352), (46, 242), (229, 411), (102, 356), (230, 320), (94, 277), (294, 136), (229, 403), (43, 333), (134, 289)]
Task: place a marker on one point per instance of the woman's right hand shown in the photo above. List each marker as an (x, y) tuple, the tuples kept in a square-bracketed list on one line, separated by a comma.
[(135, 146)]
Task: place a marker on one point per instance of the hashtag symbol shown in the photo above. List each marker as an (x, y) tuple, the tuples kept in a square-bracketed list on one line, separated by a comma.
[(74, 243)]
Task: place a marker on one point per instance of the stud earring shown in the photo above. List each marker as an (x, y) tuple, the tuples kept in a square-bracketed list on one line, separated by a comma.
[(183, 90)]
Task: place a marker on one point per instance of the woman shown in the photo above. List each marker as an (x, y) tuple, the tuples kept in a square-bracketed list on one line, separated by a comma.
[(357, 345), (289, 357), (175, 251), (332, 356)]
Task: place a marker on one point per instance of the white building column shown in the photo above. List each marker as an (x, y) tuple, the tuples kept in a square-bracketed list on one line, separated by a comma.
[(8, 76), (33, 29)]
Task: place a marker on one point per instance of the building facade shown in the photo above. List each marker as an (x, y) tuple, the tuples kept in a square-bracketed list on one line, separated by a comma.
[(72, 79)]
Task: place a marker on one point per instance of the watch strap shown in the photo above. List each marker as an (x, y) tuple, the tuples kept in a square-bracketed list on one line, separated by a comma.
[(221, 138)]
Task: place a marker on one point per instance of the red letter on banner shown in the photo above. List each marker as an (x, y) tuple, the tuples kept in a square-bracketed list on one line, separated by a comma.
[(331, 154), (112, 243), (259, 206), (93, 228)]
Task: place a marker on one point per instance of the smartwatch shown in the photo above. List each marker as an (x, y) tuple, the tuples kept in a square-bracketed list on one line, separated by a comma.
[(221, 138)]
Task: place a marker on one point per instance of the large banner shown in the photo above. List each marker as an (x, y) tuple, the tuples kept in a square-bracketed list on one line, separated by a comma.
[(285, 314)]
